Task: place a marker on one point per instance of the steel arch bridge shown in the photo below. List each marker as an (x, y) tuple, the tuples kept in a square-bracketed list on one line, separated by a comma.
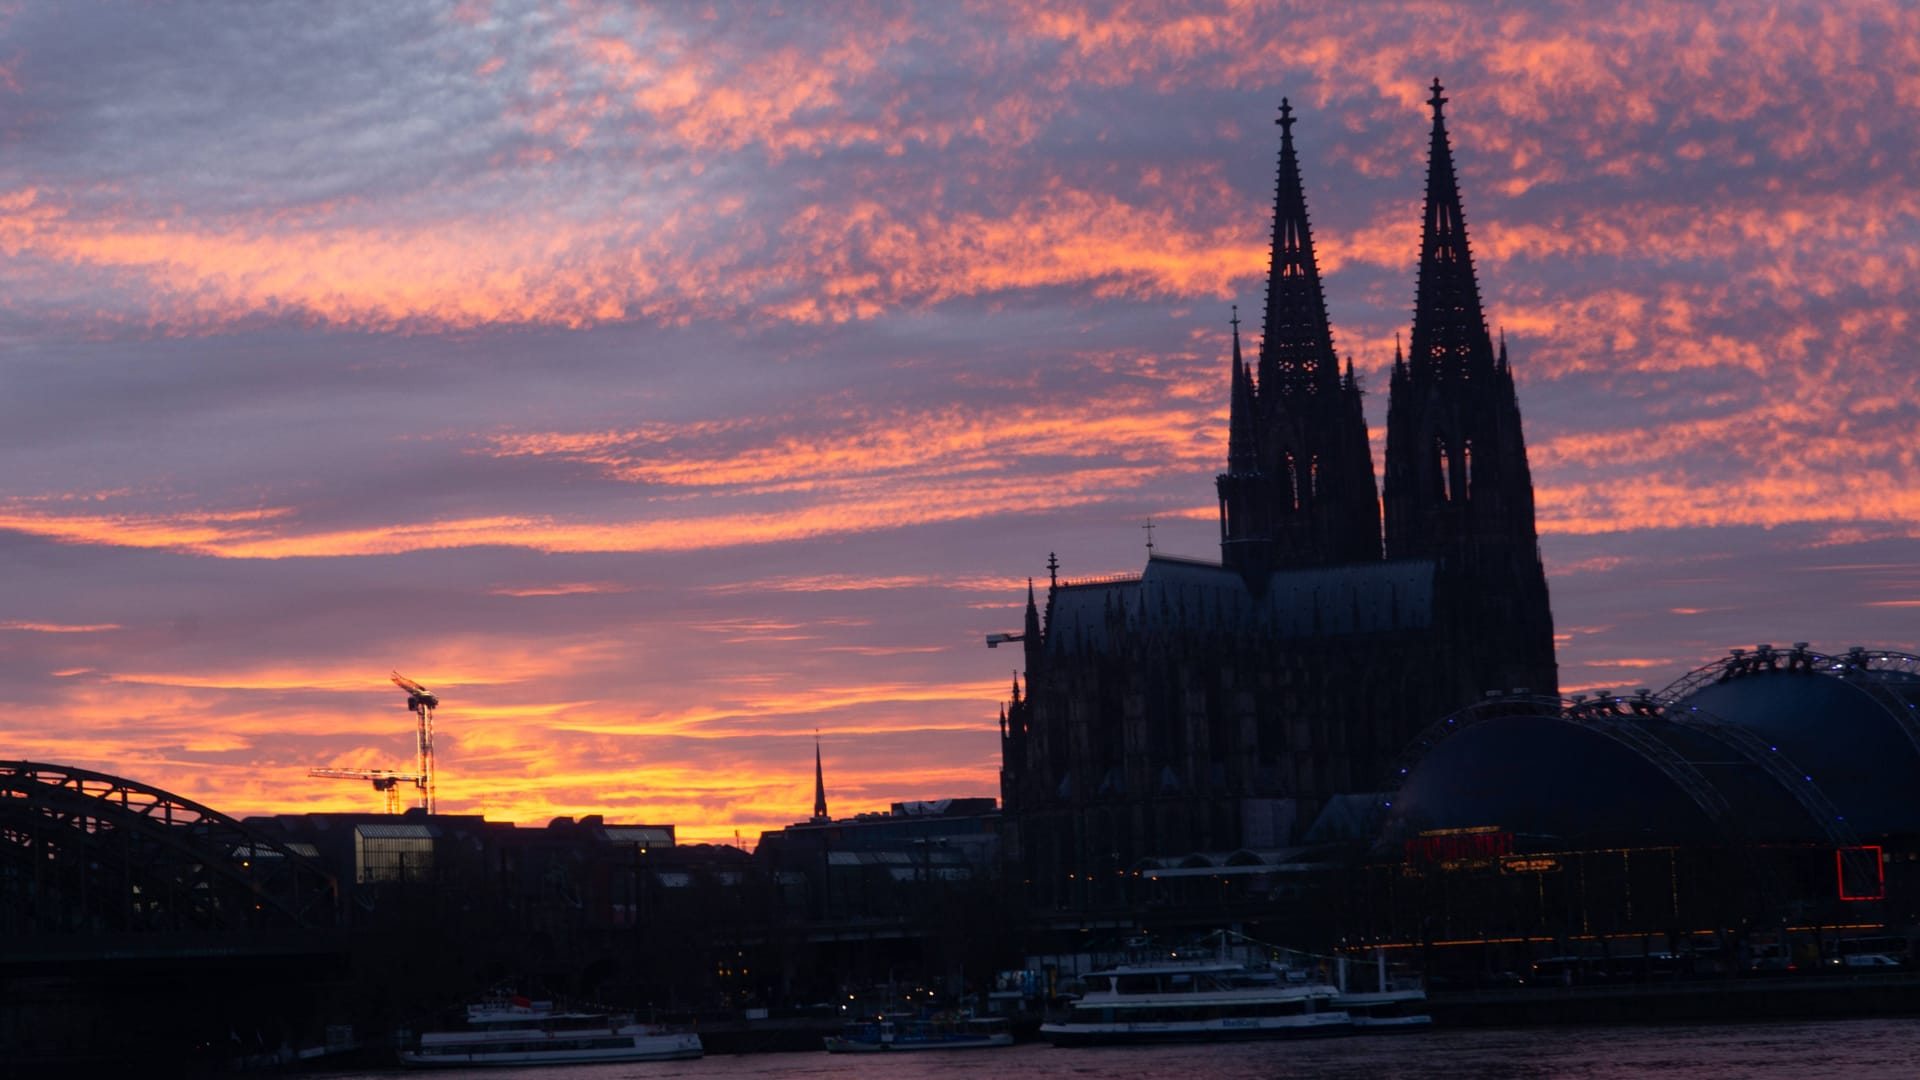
[(86, 852)]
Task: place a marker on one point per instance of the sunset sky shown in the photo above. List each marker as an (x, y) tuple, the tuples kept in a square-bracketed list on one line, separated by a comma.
[(665, 387)]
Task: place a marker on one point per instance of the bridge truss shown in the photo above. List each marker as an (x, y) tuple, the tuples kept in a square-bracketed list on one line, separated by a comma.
[(86, 852)]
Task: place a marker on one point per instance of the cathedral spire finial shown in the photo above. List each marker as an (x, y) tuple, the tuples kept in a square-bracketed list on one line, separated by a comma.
[(1285, 119), (1438, 101)]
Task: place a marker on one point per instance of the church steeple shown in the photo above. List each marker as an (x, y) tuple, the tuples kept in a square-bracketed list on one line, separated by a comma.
[(1296, 349), (819, 785), (1242, 451), (1458, 487), (1449, 328), (1244, 536), (1298, 490), (1456, 460)]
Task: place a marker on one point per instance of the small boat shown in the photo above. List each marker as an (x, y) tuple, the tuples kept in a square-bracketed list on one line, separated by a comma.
[(891, 1033), (1199, 1000), (513, 1030)]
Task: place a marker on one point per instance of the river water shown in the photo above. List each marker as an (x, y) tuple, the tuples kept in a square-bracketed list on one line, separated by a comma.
[(1829, 1050)]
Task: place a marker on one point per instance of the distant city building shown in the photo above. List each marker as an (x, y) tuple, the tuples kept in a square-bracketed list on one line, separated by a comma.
[(876, 863), (590, 867), (1218, 713)]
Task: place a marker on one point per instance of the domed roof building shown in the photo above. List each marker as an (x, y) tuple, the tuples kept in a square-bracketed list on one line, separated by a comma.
[(1854, 728), (1766, 746), (1772, 788)]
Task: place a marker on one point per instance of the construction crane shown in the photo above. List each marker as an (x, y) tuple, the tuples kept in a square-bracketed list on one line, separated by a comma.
[(383, 781), (422, 701)]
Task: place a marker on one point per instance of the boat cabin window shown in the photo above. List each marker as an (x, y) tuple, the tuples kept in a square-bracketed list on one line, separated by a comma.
[(1137, 984), (1099, 984)]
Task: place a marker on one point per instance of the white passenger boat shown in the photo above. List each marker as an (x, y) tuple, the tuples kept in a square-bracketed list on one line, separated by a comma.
[(1195, 1001), (896, 1033), (519, 1031)]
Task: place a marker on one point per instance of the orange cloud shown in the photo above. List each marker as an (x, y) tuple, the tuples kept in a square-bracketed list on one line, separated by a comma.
[(707, 721), (572, 588), (854, 583)]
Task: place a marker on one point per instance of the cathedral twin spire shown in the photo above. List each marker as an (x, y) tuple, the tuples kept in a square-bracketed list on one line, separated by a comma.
[(1299, 486)]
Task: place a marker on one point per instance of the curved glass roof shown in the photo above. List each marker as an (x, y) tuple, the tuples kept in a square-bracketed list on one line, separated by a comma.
[(1845, 738)]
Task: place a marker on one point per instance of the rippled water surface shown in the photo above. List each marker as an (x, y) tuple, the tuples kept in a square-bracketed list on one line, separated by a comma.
[(1832, 1050)]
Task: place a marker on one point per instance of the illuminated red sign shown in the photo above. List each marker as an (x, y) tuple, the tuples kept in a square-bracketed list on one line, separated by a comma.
[(1459, 844), (1860, 872)]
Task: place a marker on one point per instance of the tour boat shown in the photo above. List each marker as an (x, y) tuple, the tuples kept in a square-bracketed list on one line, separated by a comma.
[(1200, 1000), (514, 1030), (889, 1033)]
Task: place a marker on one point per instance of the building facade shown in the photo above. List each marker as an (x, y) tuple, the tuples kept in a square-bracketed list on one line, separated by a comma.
[(1241, 706)]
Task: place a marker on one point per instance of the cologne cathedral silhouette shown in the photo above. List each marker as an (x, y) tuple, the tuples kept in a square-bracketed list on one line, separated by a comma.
[(1253, 704)]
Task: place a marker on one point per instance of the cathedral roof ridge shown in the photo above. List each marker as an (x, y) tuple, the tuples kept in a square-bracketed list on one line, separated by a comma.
[(1099, 581), (1184, 560)]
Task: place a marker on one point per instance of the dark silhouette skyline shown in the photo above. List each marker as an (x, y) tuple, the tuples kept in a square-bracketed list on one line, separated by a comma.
[(661, 390)]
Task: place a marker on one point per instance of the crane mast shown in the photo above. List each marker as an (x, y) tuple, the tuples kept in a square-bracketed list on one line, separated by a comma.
[(422, 701)]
